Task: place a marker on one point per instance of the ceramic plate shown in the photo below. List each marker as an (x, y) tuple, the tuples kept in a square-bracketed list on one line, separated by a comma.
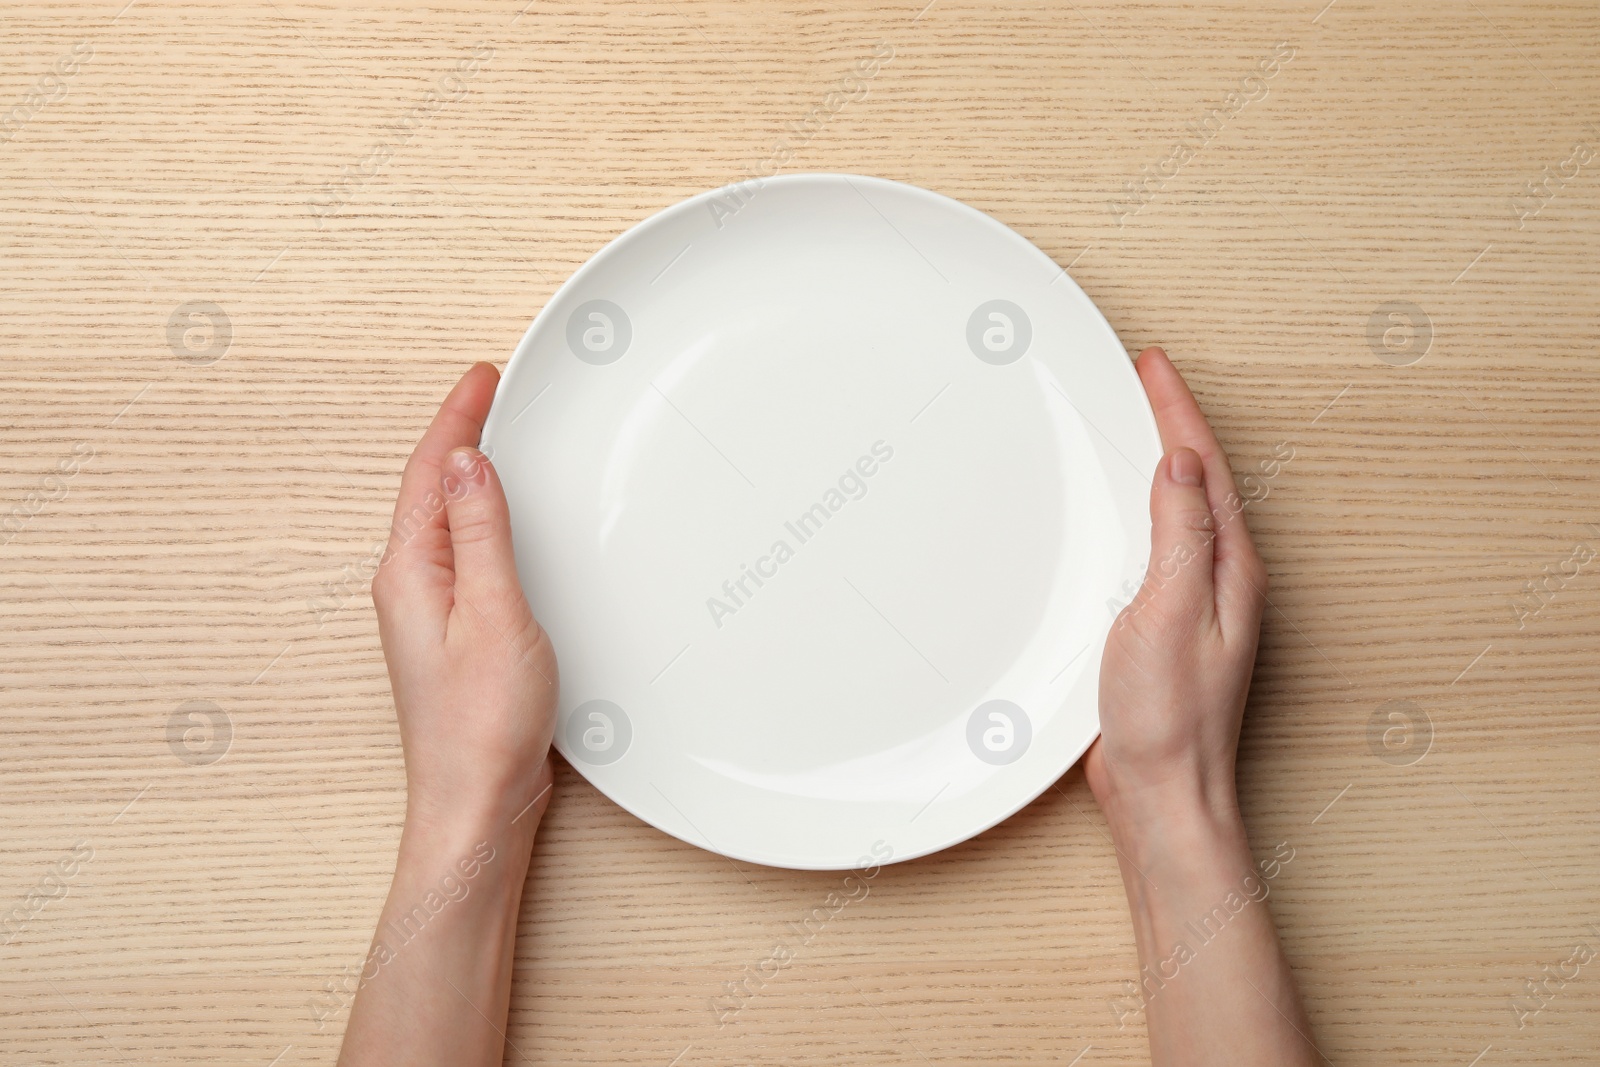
[(827, 490)]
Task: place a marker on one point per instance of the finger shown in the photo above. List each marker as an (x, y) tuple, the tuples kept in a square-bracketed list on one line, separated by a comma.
[(480, 541), (419, 520), (1240, 575), (1178, 581)]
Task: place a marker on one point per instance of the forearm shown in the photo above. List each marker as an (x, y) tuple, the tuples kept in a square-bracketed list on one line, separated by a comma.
[(437, 980), (1214, 983)]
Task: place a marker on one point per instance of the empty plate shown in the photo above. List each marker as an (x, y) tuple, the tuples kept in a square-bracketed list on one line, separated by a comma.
[(827, 489)]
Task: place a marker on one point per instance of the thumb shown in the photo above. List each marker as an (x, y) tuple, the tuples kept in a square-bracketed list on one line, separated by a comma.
[(1182, 532), (480, 537)]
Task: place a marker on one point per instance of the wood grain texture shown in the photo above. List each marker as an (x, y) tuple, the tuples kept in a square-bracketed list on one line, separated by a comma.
[(184, 160)]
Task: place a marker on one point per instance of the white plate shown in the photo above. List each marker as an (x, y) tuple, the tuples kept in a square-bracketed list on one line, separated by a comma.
[(940, 431)]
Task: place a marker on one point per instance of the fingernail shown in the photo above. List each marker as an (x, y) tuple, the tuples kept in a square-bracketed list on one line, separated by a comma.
[(468, 464), (1185, 467)]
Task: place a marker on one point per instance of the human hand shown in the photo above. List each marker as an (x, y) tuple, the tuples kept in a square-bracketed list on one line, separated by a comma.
[(1177, 663), (473, 674), (474, 681), (1173, 683)]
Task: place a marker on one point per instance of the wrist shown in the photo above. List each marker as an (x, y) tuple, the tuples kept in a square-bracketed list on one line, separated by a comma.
[(1185, 824), (506, 815), (462, 861), (1180, 857), (1188, 803), (440, 836), (1188, 841)]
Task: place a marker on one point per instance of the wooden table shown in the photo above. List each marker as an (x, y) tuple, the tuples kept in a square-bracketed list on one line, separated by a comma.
[(248, 246)]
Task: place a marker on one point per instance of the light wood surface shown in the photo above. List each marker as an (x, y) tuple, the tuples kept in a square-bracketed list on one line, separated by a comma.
[(186, 559)]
